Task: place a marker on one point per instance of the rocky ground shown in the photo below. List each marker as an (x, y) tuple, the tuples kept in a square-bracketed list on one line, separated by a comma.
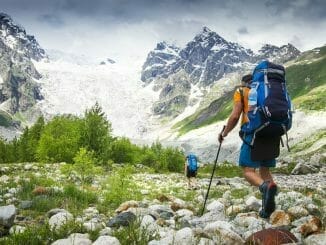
[(152, 208)]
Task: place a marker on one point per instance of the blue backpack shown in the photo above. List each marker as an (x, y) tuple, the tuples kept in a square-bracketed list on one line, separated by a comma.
[(192, 163), (272, 114)]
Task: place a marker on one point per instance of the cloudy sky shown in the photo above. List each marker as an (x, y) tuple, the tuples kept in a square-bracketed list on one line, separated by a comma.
[(133, 27)]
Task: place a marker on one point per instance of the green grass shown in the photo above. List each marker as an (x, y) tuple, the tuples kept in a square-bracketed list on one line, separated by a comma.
[(227, 170), (71, 198), (284, 169), (218, 110), (308, 142), (302, 78), (313, 100), (134, 234), (42, 234)]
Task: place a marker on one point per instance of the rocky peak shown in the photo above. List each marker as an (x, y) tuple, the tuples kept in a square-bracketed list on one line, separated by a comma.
[(278, 54), (15, 37)]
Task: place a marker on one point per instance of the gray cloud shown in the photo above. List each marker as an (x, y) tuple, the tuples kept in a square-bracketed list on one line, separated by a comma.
[(243, 30), (138, 24), (52, 20)]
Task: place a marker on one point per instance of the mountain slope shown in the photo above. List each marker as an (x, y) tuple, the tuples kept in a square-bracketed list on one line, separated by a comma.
[(306, 83), (19, 90)]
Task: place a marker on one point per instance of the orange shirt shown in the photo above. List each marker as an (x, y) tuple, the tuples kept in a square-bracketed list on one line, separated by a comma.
[(237, 98)]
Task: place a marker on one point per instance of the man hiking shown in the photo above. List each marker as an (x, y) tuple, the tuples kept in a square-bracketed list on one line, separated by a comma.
[(191, 167), (263, 178)]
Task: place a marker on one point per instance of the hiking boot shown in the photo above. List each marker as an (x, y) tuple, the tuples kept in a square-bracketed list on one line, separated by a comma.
[(268, 190)]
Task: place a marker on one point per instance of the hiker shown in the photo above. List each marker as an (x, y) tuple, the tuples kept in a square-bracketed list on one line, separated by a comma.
[(253, 147), (191, 167)]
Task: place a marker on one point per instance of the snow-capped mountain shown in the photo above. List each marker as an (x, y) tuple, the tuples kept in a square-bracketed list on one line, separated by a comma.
[(15, 37), (199, 65), (19, 90), (278, 54), (206, 59)]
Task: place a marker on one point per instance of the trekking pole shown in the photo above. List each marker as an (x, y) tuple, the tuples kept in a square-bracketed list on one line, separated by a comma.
[(210, 182)]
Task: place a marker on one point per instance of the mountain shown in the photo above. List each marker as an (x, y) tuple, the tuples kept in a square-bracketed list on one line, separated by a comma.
[(278, 54), (19, 90), (175, 71)]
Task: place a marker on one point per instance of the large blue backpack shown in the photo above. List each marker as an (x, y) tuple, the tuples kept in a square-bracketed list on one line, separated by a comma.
[(192, 163), (272, 115)]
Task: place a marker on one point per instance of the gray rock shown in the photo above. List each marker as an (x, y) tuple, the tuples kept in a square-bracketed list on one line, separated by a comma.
[(55, 211), (59, 219), (106, 240), (252, 203), (74, 239), (25, 204), (215, 206), (304, 168), (16, 229), (317, 239), (223, 232), (122, 219), (185, 236), (7, 215)]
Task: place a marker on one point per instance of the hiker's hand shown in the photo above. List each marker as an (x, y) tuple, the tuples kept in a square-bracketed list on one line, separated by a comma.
[(221, 137)]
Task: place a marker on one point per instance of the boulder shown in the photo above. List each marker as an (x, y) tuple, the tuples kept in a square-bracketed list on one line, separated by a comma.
[(185, 236), (215, 206), (106, 240), (122, 219), (271, 236), (303, 168), (280, 218), (74, 239), (7, 215), (59, 219), (298, 212), (253, 204), (314, 225), (222, 232), (317, 239)]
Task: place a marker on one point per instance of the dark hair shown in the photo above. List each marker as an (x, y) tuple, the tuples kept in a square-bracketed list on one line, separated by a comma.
[(246, 78)]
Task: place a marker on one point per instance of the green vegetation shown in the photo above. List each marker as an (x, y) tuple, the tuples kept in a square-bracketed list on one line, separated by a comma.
[(308, 142), (225, 169), (313, 100), (302, 78), (87, 142), (135, 234)]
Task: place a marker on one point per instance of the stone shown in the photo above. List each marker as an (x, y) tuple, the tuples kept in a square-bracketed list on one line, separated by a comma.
[(4, 178), (235, 209), (280, 218), (271, 236), (7, 215), (298, 212), (59, 219), (148, 223), (317, 239), (126, 205), (25, 204), (178, 204), (184, 213), (106, 231), (144, 192), (253, 204), (93, 225), (206, 241), (55, 211), (16, 229), (40, 190), (207, 218), (222, 231), (185, 236), (106, 240), (215, 206), (74, 239), (122, 219), (28, 167), (314, 225), (304, 168)]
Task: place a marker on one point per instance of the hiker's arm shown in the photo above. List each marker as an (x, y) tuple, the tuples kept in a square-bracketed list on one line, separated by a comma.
[(233, 120)]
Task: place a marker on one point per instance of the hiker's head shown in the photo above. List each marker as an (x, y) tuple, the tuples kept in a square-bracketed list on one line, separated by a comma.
[(246, 79)]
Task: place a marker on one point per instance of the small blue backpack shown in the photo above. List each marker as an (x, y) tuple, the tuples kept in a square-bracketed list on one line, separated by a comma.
[(192, 163), (272, 115)]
